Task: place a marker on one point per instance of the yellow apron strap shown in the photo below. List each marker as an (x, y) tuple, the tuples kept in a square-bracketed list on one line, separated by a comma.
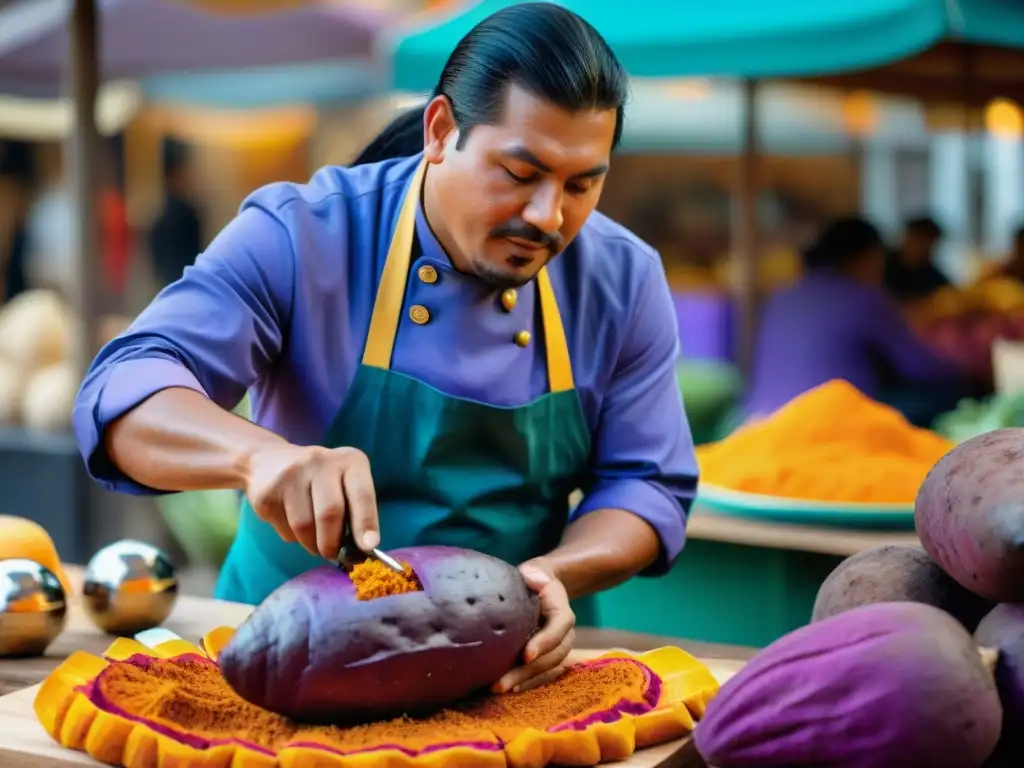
[(380, 340), (559, 369)]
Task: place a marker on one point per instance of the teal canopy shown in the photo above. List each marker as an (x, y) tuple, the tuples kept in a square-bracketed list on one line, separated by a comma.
[(743, 38), (989, 22)]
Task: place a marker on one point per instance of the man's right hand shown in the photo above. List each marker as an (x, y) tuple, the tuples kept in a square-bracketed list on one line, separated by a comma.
[(306, 492)]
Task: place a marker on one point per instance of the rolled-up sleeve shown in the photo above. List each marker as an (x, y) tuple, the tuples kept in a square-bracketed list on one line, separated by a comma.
[(215, 331), (642, 458)]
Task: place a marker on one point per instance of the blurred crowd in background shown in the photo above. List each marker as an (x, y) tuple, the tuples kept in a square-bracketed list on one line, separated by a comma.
[(821, 209), (38, 222)]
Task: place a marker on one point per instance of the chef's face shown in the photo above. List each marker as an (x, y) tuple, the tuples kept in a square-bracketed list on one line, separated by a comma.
[(516, 192)]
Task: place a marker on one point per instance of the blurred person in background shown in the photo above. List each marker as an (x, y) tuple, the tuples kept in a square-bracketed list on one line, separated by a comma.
[(175, 238), (16, 183), (1013, 266), (910, 271), (51, 227), (113, 219), (836, 322), (53, 237)]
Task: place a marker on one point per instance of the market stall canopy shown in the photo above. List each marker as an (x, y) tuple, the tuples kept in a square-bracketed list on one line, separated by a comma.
[(990, 22), (141, 38), (980, 57), (783, 39)]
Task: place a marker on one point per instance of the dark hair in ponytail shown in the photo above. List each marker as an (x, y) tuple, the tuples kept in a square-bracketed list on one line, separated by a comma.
[(403, 137), (841, 243), (548, 50), (543, 48)]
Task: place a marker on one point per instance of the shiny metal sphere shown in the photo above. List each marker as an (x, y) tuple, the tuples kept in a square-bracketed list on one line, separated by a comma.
[(33, 607), (129, 587)]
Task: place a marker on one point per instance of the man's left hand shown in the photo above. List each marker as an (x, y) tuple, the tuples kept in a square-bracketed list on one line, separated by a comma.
[(545, 653)]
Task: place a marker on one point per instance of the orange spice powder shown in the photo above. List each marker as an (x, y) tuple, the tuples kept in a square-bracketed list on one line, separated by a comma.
[(373, 579), (833, 443), (579, 692), (188, 696)]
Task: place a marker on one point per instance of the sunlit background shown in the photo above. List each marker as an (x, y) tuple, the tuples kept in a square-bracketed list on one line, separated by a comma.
[(728, 167)]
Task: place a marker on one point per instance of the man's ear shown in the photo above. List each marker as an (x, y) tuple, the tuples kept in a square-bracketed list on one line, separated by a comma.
[(439, 128)]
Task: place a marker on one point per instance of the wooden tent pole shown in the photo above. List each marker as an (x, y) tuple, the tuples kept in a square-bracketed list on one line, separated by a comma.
[(84, 151), (85, 158)]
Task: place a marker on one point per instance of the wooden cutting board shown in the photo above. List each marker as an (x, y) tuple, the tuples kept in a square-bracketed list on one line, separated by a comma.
[(24, 743)]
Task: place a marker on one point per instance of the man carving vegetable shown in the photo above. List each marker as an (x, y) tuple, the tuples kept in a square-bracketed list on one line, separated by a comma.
[(440, 348)]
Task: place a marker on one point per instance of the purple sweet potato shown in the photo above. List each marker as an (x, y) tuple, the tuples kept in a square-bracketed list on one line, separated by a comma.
[(969, 514), (314, 652), (1003, 630), (887, 685), (890, 574)]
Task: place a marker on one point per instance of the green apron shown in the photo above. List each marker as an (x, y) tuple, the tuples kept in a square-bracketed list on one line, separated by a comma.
[(446, 470)]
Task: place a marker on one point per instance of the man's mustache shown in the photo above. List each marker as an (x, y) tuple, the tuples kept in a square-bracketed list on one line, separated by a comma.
[(522, 230)]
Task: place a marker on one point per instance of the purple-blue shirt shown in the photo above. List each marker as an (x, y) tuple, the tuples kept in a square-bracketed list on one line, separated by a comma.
[(825, 327), (279, 304)]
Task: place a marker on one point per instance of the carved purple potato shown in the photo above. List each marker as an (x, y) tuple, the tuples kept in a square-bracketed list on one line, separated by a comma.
[(892, 573), (887, 685), (1003, 629), (314, 652), (969, 514)]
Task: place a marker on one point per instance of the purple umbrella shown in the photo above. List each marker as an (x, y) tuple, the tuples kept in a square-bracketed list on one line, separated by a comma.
[(149, 37)]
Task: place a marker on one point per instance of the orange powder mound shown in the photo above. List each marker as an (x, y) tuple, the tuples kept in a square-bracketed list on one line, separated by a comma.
[(373, 579), (190, 696), (187, 698), (832, 444), (580, 691)]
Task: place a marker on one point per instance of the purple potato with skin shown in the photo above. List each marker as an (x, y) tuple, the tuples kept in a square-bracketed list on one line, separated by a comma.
[(313, 652), (893, 573), (1003, 629), (969, 514), (887, 685)]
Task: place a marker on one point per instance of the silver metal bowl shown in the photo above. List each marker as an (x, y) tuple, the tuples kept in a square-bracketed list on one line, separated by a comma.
[(33, 608), (129, 587)]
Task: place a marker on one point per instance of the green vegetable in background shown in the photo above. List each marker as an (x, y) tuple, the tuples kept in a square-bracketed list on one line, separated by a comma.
[(976, 417), (204, 523), (710, 389)]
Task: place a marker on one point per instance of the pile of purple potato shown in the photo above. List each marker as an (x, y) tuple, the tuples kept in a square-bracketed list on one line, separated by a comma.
[(912, 657)]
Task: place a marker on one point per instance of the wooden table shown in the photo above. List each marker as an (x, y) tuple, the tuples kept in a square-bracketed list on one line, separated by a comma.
[(827, 540), (738, 581), (194, 616)]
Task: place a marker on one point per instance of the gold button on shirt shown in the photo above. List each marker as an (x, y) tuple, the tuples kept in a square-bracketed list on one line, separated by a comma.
[(509, 299), (427, 274), (522, 338), (419, 314)]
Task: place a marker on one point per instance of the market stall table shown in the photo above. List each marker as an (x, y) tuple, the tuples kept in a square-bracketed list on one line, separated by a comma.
[(738, 581), (194, 616)]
